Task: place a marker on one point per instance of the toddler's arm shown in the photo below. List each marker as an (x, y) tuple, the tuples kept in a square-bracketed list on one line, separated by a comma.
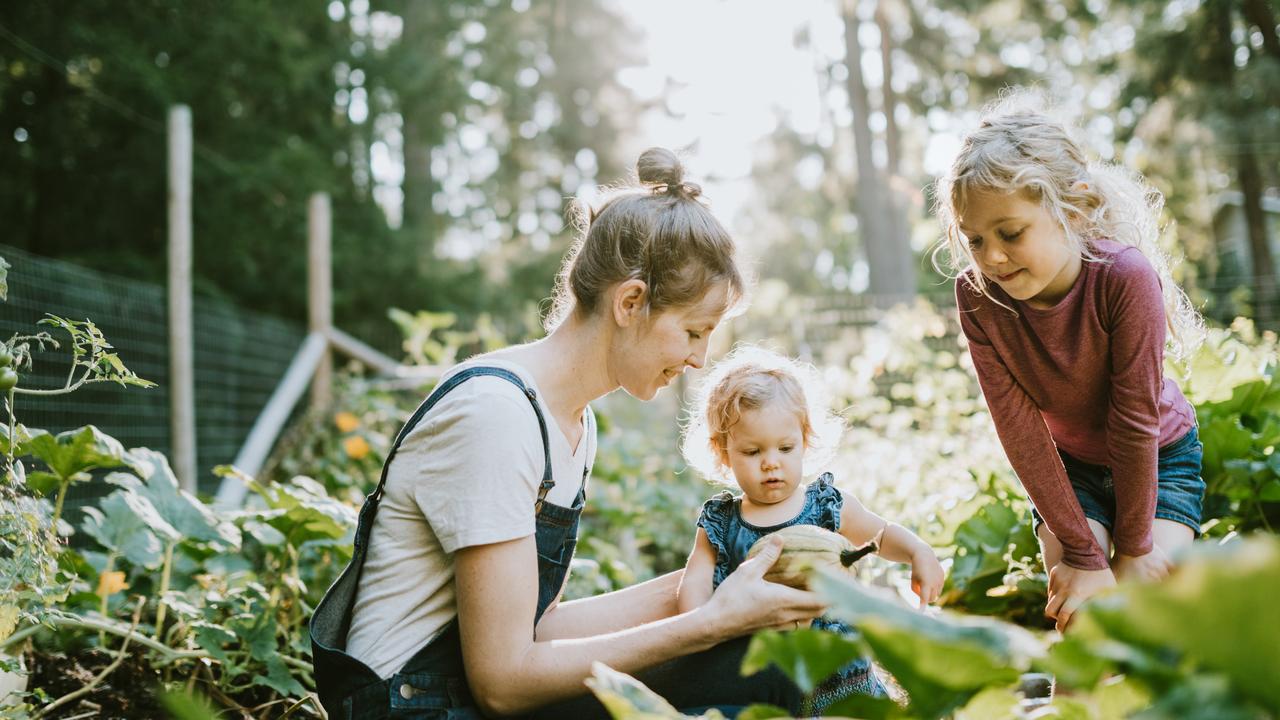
[(695, 585), (895, 543)]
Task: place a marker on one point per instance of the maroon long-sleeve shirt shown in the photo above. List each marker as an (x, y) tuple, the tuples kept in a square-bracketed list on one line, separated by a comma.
[(1086, 376)]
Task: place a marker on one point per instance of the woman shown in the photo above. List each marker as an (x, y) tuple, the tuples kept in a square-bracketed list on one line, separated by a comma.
[(450, 607)]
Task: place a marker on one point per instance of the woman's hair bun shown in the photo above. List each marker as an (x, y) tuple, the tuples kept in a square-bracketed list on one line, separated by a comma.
[(659, 166)]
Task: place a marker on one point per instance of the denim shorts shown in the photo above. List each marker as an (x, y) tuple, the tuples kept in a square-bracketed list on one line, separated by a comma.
[(1179, 487)]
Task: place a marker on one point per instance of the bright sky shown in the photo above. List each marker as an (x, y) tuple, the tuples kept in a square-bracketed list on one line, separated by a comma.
[(735, 73)]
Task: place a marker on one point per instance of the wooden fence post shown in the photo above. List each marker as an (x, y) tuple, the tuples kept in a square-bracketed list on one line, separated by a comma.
[(182, 402), (320, 291)]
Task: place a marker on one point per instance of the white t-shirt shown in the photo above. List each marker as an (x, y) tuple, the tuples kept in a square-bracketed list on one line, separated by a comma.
[(467, 474)]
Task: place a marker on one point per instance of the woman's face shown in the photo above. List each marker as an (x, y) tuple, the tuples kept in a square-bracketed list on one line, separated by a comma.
[(660, 348), (1020, 247)]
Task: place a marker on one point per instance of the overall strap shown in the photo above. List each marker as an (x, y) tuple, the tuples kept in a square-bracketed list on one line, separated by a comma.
[(436, 395)]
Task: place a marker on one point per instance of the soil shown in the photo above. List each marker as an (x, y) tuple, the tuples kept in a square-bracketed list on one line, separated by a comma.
[(128, 692)]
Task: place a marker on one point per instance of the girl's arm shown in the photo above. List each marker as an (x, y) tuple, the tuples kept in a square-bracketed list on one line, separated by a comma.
[(631, 606), (1028, 444), (895, 543), (510, 673), (695, 587), (1137, 323)]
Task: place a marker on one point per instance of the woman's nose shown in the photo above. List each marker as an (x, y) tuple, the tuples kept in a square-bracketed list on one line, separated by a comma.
[(698, 357)]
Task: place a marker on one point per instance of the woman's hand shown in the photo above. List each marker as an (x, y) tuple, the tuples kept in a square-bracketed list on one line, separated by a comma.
[(927, 576), (1151, 567), (746, 602), (1069, 587)]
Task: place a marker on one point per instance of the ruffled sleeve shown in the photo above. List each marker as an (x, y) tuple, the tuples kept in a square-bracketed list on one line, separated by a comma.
[(826, 502), (715, 519)]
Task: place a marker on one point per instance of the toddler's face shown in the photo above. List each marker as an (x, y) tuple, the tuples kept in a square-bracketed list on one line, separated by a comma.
[(766, 453)]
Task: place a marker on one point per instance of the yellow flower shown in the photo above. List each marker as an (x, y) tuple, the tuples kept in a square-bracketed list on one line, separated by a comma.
[(110, 583), (346, 421), (356, 447)]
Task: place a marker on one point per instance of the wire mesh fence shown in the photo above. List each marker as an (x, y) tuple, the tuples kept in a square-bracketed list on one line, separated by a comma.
[(239, 357)]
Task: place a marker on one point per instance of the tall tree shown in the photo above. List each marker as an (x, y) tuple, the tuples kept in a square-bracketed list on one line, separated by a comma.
[(887, 245)]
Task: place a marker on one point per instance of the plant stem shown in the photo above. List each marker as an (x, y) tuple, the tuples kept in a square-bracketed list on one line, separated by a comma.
[(120, 655), (164, 586), (111, 564), (62, 496), (12, 429), (118, 629), (57, 391)]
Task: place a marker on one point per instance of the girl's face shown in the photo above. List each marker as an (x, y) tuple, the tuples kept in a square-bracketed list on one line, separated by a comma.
[(1020, 247), (670, 341), (766, 452)]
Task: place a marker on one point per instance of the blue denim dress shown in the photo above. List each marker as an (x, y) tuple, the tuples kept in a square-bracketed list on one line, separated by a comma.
[(732, 537)]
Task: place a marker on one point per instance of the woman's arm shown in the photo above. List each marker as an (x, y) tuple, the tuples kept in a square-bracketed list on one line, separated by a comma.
[(631, 606), (695, 588), (510, 673)]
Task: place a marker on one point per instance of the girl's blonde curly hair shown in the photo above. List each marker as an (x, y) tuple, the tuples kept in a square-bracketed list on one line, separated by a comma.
[(749, 378), (1020, 148)]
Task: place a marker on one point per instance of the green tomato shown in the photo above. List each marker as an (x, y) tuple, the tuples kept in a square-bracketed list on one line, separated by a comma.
[(8, 379), (6, 355)]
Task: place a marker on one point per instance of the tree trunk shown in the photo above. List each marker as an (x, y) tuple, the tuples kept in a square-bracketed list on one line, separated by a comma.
[(1264, 267), (421, 134), (888, 256)]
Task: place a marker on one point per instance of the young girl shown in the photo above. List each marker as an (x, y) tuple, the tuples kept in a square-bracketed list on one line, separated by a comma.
[(760, 420), (1064, 297)]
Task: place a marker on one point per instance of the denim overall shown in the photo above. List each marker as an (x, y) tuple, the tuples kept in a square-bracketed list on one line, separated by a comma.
[(432, 684)]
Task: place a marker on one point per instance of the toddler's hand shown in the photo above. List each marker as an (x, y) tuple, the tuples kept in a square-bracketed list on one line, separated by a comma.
[(927, 576), (1151, 567), (1069, 587)]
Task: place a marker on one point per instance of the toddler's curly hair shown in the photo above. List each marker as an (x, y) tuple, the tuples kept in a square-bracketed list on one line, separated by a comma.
[(749, 378)]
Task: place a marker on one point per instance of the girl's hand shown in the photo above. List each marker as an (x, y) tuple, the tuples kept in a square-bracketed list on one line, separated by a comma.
[(1069, 587), (927, 576), (1151, 567), (746, 602)]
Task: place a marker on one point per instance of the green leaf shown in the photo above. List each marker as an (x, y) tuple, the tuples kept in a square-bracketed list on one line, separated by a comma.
[(279, 678), (182, 706), (1271, 491), (45, 483), (76, 451), (1075, 663), (128, 525), (309, 514), (1212, 610), (21, 437), (1224, 438), (806, 656), (1121, 698), (211, 638), (990, 704), (627, 698), (763, 712), (179, 508), (941, 661)]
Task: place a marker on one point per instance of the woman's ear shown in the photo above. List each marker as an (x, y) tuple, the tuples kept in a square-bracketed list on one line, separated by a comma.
[(630, 300)]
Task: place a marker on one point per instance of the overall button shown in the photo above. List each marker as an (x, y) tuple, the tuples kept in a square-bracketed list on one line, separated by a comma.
[(407, 691)]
